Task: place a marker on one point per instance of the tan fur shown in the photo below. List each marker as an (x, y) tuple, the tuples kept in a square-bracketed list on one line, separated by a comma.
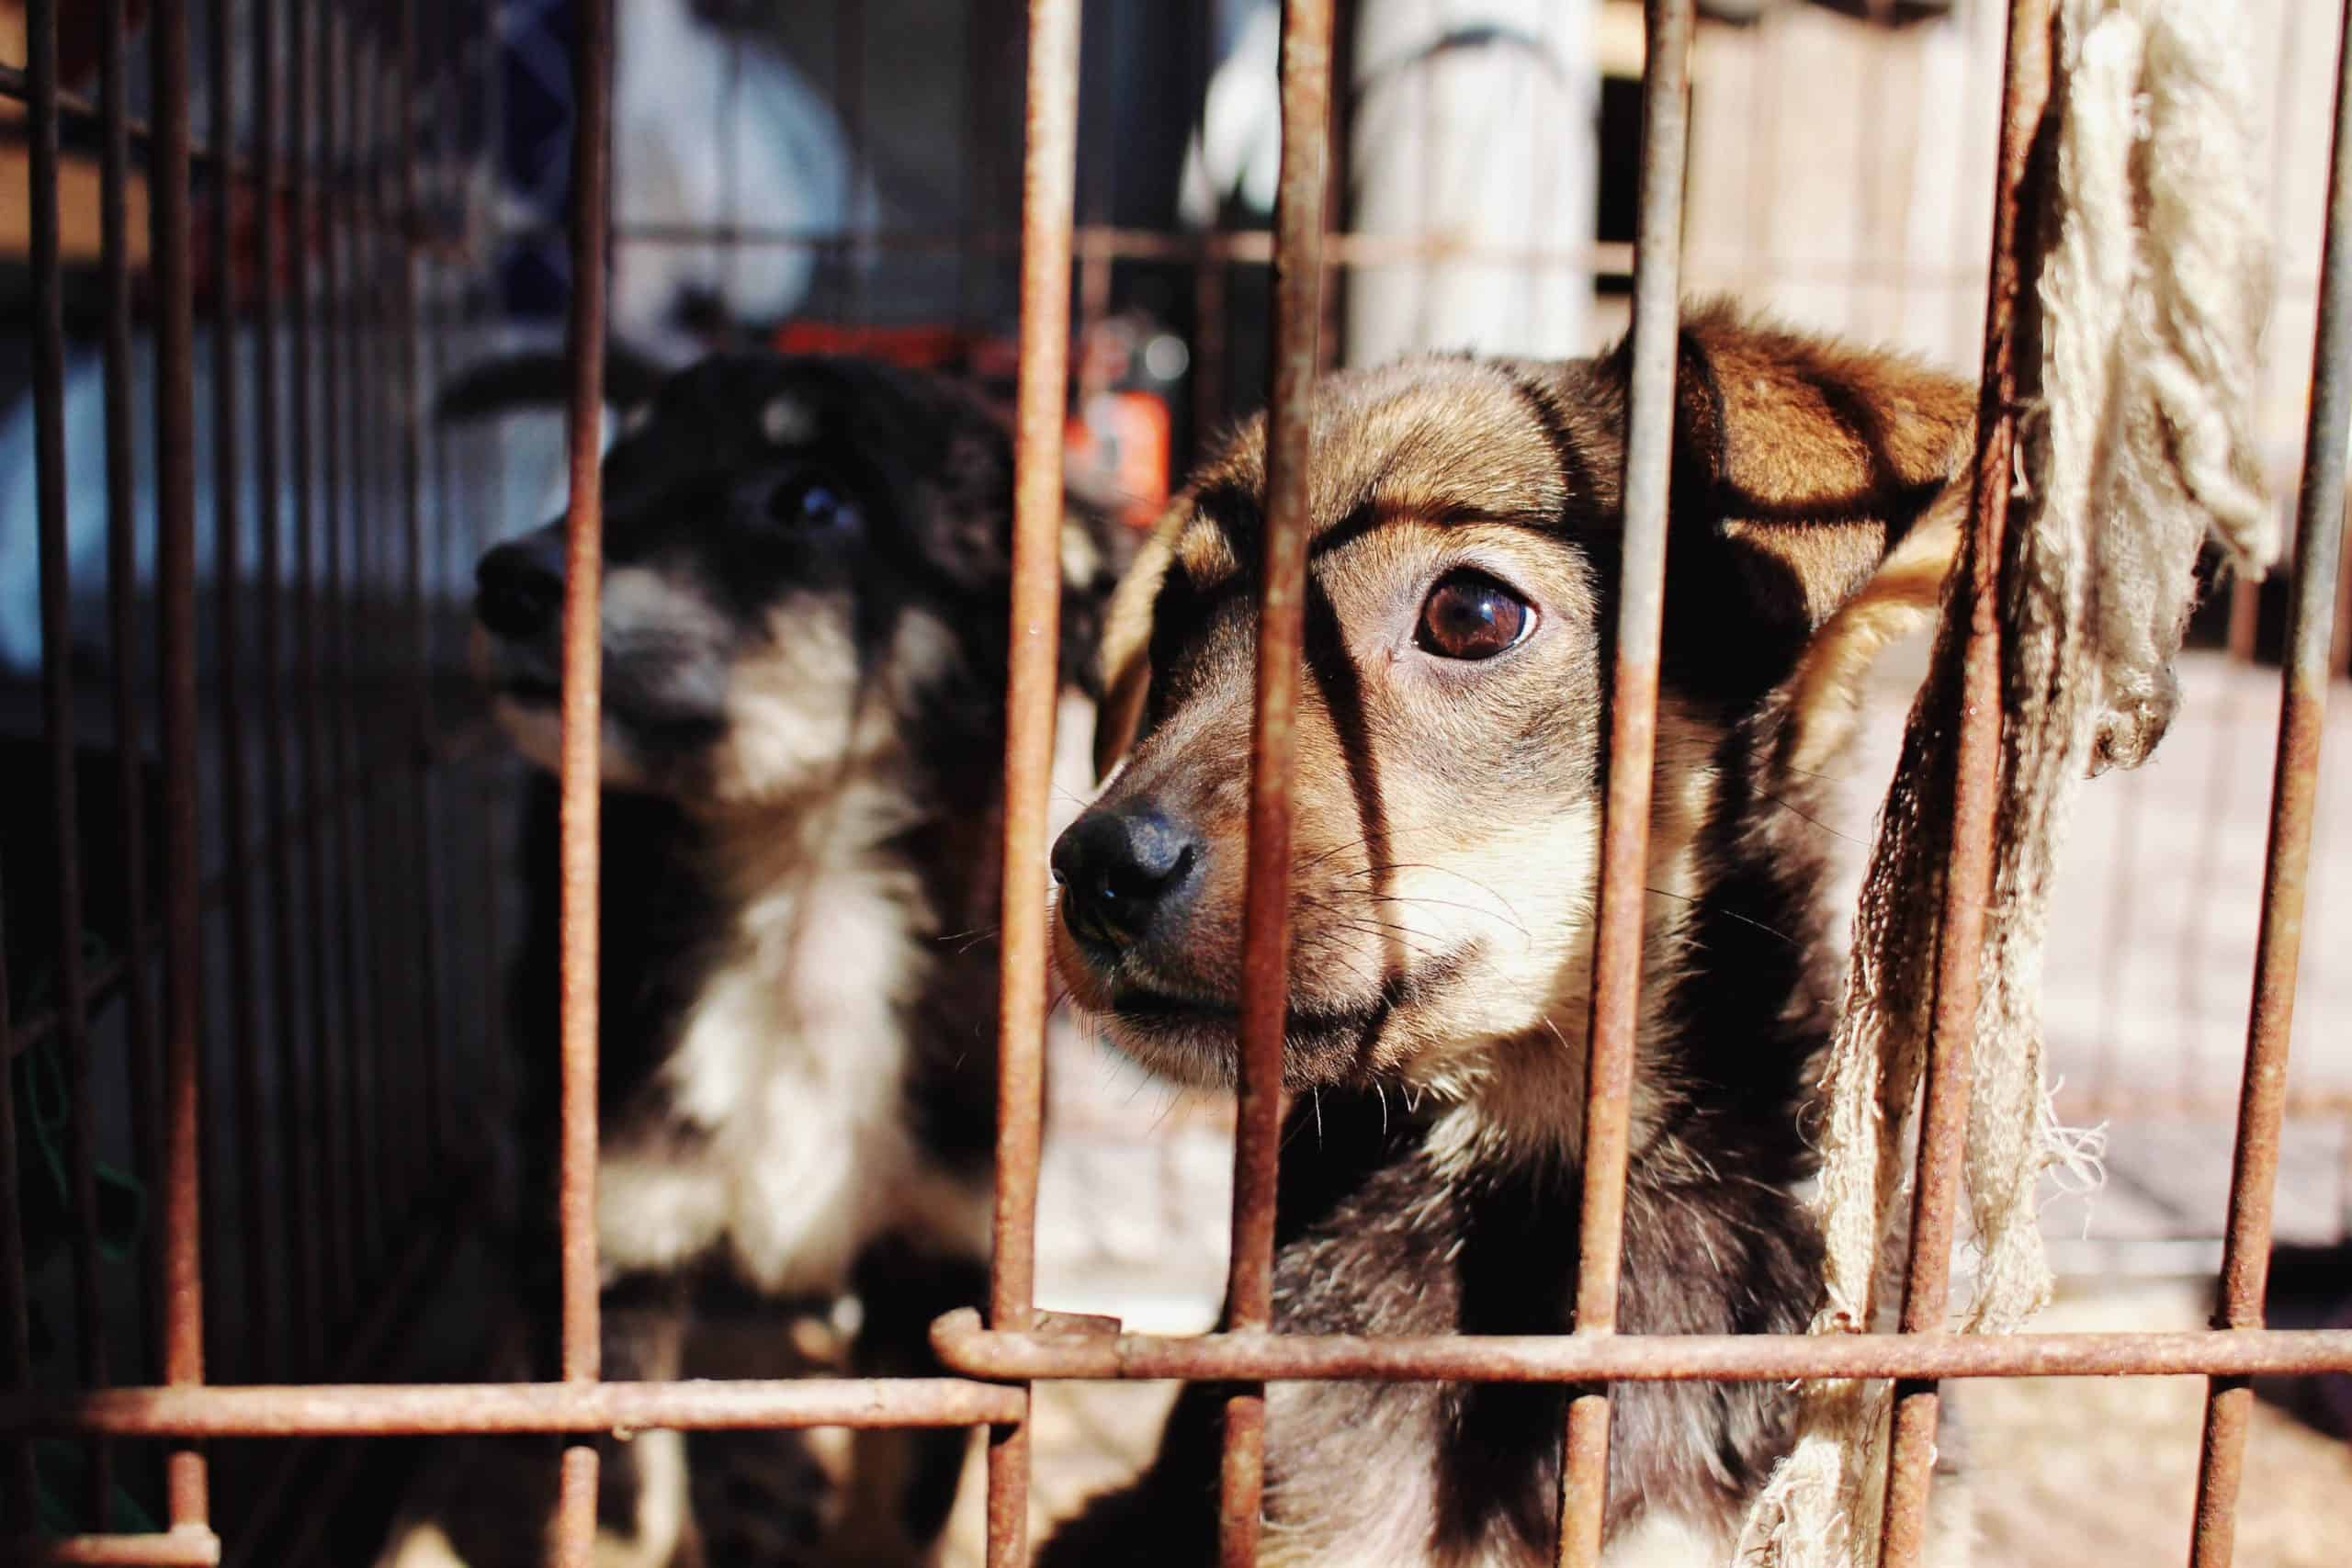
[(1824, 692), (1446, 816)]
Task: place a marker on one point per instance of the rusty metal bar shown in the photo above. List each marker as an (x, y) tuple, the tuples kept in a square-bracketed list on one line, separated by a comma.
[(338, 922), (966, 1347), (124, 624), (299, 1197), (176, 586), (1049, 195), (397, 1028), (849, 102), (364, 912), (1633, 739), (395, 1410), (2245, 618), (259, 1331), (398, 930), (442, 314), (194, 1548), (1281, 607), (2294, 792), (425, 1103), (328, 1266), (1092, 242), (74, 110), (57, 713), (2010, 382), (2339, 658), (583, 571)]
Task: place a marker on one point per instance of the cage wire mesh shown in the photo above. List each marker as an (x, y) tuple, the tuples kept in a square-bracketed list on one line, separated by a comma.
[(257, 853)]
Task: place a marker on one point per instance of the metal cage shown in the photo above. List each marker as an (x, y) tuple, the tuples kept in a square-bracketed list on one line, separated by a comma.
[(295, 1090)]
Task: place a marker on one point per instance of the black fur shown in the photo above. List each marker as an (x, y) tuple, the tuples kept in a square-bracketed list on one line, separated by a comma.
[(707, 489)]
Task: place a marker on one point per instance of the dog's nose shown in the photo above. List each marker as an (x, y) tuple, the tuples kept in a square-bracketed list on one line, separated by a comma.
[(1118, 868), (519, 587)]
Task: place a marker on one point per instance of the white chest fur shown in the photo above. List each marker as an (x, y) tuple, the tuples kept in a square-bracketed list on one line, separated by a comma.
[(785, 1142)]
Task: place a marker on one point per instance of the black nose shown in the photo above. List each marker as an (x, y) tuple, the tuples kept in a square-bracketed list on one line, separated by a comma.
[(519, 587), (1118, 868)]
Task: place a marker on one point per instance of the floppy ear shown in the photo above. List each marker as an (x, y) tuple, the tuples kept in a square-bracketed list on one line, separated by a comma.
[(1800, 471), (1126, 655), (494, 386)]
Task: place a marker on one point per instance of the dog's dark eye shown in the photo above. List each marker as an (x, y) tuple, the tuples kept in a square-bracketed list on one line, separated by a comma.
[(812, 506), (1470, 616)]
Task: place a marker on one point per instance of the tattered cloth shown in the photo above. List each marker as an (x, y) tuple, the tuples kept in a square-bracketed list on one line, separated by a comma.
[(2152, 294)]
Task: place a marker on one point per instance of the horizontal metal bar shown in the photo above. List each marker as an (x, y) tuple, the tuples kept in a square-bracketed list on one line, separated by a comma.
[(194, 1546), (1245, 247), (406, 1410), (967, 1348), (87, 116), (1255, 247)]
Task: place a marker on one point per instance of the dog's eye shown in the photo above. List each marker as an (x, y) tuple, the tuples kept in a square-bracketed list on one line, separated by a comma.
[(1470, 616), (809, 504)]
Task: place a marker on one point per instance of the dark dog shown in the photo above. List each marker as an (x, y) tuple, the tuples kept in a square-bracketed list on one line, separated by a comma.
[(805, 617), (1448, 802)]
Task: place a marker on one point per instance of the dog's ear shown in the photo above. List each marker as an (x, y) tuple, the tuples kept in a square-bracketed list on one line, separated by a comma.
[(1801, 470), (1126, 658), (493, 387)]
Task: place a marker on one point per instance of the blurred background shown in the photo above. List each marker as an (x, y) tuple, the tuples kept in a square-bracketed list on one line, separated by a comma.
[(844, 175)]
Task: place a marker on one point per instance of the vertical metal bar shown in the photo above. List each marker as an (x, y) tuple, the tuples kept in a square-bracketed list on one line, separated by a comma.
[(16, 1323), (1632, 735), (2339, 659), (1097, 97), (1208, 279), (440, 283), (175, 583), (1265, 926), (483, 309), (372, 801), (1337, 122), (342, 481), (297, 1192), (1048, 198), (849, 92), (2009, 383), (975, 169), (2245, 618), (329, 1265), (124, 634), (259, 1331), (2294, 792), (358, 779), (425, 1045), (584, 572), (57, 715), (386, 775)]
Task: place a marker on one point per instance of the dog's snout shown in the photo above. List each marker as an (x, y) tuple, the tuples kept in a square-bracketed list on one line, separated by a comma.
[(1118, 868), (519, 587)]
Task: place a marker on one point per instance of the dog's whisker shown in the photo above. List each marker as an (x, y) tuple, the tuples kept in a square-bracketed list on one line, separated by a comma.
[(1720, 908), (1807, 816)]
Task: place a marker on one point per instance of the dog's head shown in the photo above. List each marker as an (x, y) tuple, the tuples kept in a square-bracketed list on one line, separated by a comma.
[(1465, 527), (807, 563)]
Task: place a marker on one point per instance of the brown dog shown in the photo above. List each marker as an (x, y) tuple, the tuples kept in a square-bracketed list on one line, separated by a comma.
[(1465, 522)]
